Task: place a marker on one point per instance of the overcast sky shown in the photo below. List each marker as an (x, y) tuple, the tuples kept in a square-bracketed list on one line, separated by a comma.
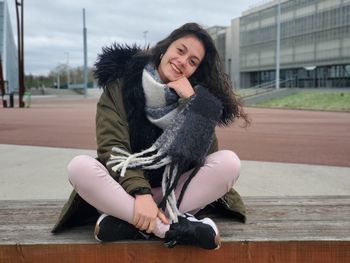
[(53, 28)]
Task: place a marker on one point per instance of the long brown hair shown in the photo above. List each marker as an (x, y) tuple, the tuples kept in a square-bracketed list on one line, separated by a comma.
[(210, 72)]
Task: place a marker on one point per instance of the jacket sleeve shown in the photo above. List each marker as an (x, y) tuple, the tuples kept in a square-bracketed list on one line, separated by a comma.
[(112, 131)]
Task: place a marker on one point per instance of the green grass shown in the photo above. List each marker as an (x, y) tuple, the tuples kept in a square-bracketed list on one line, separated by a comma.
[(318, 100)]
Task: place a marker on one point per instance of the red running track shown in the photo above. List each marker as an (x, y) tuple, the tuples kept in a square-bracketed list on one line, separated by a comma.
[(309, 137)]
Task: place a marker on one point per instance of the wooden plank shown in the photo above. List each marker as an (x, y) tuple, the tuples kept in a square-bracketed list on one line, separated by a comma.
[(269, 219), (279, 229)]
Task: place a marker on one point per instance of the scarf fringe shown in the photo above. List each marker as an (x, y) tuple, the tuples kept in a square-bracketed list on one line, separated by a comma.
[(155, 161)]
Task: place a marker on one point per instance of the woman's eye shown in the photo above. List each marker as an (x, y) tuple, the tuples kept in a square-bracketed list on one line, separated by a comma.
[(193, 63), (180, 50)]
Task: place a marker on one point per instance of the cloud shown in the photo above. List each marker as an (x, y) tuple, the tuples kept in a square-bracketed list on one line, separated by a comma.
[(52, 29)]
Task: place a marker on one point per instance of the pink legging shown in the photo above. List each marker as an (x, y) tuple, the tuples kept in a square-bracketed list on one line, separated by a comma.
[(94, 184)]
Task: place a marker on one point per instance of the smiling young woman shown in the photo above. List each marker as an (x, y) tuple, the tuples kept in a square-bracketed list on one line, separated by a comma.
[(158, 159)]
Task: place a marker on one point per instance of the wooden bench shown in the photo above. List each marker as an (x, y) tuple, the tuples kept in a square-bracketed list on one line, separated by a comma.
[(279, 229)]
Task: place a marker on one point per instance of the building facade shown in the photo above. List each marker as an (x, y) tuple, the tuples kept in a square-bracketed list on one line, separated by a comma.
[(218, 34), (8, 50), (314, 44)]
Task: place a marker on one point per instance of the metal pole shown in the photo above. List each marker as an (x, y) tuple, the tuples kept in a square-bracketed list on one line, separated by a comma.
[(2, 86), (58, 80), (278, 44), (22, 55), (145, 37), (85, 56), (68, 72), (20, 52)]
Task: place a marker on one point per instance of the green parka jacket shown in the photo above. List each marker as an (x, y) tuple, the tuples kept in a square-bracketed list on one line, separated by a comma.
[(114, 128)]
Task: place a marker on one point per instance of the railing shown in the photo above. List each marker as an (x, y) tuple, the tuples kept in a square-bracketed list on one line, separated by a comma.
[(261, 88), (76, 86)]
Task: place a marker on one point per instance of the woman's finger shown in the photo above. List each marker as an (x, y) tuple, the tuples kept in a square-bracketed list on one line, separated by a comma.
[(140, 223), (145, 225), (151, 226), (136, 219), (162, 217)]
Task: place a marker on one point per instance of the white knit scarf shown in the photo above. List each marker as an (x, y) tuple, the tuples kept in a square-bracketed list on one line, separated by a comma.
[(161, 101)]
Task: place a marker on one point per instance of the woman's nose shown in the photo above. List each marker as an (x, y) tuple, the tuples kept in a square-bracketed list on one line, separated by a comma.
[(182, 61)]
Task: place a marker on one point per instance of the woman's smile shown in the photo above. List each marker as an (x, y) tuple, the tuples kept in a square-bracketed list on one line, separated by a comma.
[(175, 68)]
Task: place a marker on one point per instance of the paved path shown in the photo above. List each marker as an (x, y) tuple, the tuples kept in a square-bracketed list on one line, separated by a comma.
[(31, 172)]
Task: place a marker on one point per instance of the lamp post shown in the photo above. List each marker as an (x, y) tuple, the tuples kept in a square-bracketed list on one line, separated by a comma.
[(19, 15), (58, 79), (278, 44), (68, 71), (145, 37), (85, 55), (2, 86)]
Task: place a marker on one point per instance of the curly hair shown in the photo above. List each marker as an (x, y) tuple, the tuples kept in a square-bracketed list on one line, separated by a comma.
[(210, 72)]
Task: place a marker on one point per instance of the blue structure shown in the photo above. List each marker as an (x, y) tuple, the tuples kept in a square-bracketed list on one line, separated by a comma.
[(8, 50)]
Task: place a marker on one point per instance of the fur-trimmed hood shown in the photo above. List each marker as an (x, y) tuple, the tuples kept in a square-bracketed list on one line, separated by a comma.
[(114, 62)]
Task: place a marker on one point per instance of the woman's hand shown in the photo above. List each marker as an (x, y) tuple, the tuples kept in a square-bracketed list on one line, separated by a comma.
[(146, 213), (182, 87)]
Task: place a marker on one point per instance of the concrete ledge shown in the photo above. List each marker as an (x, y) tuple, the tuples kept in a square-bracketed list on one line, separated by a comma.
[(281, 229)]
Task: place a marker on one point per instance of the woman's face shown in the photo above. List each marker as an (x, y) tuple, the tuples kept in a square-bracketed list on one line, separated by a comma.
[(181, 59)]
